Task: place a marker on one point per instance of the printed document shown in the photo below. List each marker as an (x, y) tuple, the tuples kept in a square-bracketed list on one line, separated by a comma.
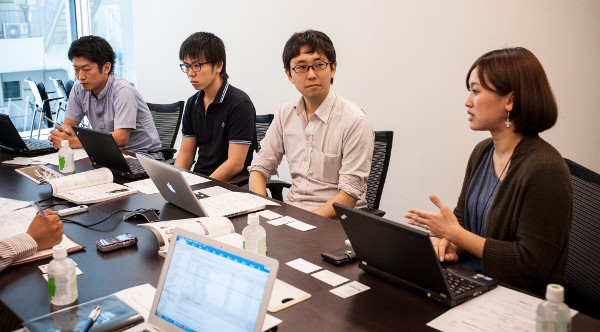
[(17, 222), (501, 309), (89, 187), (234, 203)]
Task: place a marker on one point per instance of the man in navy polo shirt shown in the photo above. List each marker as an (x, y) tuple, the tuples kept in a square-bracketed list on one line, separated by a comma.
[(219, 120)]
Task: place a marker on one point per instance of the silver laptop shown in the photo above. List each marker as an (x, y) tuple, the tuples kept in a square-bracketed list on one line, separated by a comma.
[(206, 285), (174, 188)]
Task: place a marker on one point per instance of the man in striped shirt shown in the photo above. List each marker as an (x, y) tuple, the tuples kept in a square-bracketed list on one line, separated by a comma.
[(43, 233)]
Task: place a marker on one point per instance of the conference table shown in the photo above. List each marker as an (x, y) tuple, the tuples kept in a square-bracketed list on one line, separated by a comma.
[(24, 293)]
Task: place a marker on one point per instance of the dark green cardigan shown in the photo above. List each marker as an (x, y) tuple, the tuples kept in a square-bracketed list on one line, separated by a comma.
[(527, 225)]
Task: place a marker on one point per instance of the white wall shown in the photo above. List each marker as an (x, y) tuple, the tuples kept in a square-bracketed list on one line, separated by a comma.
[(404, 62)]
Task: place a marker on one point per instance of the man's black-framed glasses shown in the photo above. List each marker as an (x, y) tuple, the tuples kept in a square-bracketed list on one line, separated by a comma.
[(196, 66), (317, 66)]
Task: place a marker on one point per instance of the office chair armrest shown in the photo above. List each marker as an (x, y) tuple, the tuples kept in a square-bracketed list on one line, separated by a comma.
[(376, 212), (239, 180), (167, 152), (52, 99), (276, 188)]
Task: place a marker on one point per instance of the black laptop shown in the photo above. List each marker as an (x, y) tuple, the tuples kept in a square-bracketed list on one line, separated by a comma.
[(104, 152), (10, 139), (405, 256)]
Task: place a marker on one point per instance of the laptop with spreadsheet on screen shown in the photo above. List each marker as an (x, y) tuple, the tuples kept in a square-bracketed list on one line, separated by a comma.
[(206, 285), (404, 255)]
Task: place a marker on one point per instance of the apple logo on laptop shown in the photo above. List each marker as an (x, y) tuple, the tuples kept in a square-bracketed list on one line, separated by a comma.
[(170, 187)]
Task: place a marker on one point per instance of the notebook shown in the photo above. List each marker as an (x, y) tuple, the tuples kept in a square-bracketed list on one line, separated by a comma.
[(206, 285), (104, 152), (404, 255), (10, 139), (174, 189)]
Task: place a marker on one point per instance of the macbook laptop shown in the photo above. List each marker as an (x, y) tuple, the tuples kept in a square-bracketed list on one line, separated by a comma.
[(206, 285), (104, 152), (174, 189), (404, 255), (10, 139)]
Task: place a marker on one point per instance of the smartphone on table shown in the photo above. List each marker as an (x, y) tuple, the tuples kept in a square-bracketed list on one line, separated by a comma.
[(116, 242)]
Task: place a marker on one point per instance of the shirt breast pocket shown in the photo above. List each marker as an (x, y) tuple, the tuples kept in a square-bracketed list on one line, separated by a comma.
[(327, 166)]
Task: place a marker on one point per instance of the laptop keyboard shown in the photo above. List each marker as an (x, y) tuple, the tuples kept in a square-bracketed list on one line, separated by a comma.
[(458, 285), (134, 165), (36, 145)]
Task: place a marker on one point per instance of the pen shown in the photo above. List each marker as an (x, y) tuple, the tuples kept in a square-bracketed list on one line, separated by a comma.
[(91, 319), (39, 208)]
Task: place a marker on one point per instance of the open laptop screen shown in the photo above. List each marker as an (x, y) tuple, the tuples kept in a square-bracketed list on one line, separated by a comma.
[(208, 289)]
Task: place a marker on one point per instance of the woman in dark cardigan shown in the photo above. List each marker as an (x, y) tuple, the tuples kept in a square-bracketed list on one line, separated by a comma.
[(513, 214)]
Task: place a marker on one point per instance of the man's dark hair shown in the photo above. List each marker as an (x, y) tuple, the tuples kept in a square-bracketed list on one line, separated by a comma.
[(518, 71), (316, 41), (95, 49), (205, 44)]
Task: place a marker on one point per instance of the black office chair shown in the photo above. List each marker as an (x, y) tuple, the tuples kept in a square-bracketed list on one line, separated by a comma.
[(41, 105), (379, 167), (382, 151), (583, 265), (167, 119), (263, 121)]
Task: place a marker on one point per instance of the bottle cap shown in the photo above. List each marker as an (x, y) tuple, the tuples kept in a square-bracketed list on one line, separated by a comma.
[(59, 251), (555, 293), (64, 143), (253, 219)]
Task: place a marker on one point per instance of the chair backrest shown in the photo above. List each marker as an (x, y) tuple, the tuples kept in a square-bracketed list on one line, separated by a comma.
[(33, 86), (68, 86), (167, 119), (60, 88), (263, 122), (583, 265), (379, 167)]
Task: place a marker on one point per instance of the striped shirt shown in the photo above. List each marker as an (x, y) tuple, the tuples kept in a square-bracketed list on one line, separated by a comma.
[(15, 248), (327, 153)]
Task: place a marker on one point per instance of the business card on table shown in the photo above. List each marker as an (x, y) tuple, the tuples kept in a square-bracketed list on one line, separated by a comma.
[(303, 266), (269, 214), (280, 221), (349, 289), (299, 225), (330, 277)]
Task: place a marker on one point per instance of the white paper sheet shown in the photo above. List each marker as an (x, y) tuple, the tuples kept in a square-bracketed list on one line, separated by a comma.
[(281, 221), (53, 157), (214, 191), (501, 309), (7, 205), (233, 203)]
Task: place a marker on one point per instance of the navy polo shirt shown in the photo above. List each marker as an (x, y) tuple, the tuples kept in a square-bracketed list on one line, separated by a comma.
[(230, 118)]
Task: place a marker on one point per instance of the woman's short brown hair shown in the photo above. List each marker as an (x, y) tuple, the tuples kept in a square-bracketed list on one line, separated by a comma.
[(518, 71)]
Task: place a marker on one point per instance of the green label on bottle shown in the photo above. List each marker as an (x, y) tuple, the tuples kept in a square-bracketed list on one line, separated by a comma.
[(51, 288), (61, 163)]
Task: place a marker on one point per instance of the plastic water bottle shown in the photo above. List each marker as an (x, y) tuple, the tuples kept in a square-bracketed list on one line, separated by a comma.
[(66, 160), (62, 280), (553, 315), (254, 235)]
